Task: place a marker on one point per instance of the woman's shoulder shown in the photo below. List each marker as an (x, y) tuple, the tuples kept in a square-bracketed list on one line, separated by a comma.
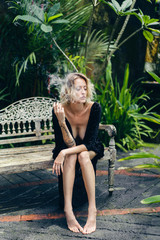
[(95, 106)]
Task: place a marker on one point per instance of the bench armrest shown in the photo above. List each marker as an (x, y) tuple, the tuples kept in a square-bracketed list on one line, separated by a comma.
[(109, 128)]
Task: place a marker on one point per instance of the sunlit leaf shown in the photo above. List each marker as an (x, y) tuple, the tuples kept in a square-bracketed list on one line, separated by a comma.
[(27, 18), (139, 155), (154, 20), (46, 28), (54, 17), (155, 76), (126, 4), (54, 9), (38, 12), (154, 30), (147, 166), (148, 35), (146, 19), (116, 5), (153, 199)]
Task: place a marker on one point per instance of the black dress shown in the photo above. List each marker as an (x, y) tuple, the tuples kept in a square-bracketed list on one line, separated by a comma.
[(92, 143)]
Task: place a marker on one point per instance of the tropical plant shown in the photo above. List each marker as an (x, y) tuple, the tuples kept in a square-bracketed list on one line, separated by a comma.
[(127, 9), (38, 16), (155, 165), (86, 47), (125, 109), (29, 49)]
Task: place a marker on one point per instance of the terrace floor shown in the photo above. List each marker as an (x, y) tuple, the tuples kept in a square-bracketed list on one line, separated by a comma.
[(29, 208)]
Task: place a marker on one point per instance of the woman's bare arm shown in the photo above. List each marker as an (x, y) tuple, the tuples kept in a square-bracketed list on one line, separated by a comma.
[(74, 150), (67, 137)]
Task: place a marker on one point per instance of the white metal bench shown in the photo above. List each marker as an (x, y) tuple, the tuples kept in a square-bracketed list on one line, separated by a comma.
[(29, 122)]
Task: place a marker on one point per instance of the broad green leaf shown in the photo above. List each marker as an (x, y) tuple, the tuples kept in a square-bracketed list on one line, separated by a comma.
[(148, 35), (27, 18), (116, 5), (54, 17), (155, 76), (126, 4), (38, 12), (46, 28), (146, 19), (54, 9), (153, 20), (153, 199)]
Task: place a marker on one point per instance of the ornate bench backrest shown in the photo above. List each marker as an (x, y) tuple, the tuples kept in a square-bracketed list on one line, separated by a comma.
[(27, 120)]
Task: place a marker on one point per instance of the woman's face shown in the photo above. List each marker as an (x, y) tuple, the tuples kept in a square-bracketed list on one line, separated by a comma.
[(80, 90)]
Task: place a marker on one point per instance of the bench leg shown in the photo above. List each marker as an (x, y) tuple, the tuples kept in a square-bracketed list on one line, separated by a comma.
[(111, 167)]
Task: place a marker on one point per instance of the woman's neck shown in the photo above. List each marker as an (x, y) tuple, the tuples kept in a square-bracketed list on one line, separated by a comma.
[(76, 108)]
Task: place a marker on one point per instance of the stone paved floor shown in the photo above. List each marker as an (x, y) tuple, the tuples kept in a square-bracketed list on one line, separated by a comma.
[(29, 208)]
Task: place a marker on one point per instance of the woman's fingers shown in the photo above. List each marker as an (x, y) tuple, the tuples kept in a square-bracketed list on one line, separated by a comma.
[(62, 168), (58, 108), (57, 168)]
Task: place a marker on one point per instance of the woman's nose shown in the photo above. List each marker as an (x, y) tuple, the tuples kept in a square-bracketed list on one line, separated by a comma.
[(83, 91)]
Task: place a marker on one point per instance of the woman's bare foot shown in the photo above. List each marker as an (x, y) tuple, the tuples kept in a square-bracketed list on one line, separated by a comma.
[(72, 223), (91, 222)]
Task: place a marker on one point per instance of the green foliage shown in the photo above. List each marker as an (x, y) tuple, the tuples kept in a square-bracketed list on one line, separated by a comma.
[(126, 9), (141, 155), (78, 61), (153, 199), (42, 17), (156, 78), (45, 20), (3, 95), (125, 110), (146, 22), (23, 67), (155, 165), (97, 44), (89, 47), (120, 10), (48, 19)]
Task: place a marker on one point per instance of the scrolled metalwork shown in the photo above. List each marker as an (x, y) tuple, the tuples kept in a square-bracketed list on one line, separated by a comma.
[(28, 109)]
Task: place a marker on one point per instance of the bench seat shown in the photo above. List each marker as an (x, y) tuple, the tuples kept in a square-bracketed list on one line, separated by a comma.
[(31, 158)]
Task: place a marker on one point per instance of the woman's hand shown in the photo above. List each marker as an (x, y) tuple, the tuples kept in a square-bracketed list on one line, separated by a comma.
[(59, 112), (58, 163)]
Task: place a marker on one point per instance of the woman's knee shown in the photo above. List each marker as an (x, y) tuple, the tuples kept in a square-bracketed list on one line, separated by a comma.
[(83, 158)]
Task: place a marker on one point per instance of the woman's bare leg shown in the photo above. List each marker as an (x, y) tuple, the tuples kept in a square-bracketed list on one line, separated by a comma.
[(88, 174), (68, 181)]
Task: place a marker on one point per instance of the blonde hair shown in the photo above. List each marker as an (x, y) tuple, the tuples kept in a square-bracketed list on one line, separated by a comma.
[(67, 93)]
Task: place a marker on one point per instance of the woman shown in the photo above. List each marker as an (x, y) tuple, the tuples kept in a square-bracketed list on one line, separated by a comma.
[(76, 121)]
